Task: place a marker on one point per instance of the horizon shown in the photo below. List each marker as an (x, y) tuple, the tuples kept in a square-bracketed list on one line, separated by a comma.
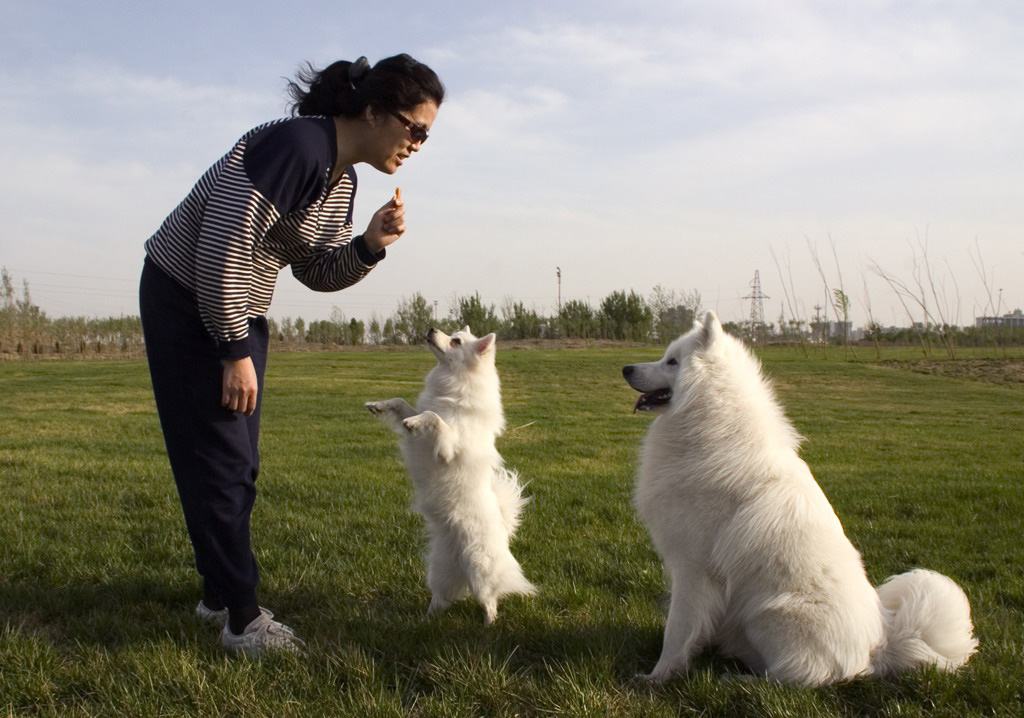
[(806, 322)]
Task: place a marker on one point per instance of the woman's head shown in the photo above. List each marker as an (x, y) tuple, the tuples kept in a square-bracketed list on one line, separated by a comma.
[(347, 89)]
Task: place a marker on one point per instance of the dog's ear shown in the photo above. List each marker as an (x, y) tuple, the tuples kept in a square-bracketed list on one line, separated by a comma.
[(485, 343), (711, 328), (466, 329)]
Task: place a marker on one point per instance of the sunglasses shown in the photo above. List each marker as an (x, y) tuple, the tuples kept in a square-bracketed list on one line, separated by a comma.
[(417, 132)]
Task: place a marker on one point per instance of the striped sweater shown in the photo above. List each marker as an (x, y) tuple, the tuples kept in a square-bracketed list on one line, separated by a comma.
[(266, 204)]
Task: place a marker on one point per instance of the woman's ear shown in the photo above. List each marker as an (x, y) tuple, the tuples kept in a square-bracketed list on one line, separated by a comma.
[(371, 117)]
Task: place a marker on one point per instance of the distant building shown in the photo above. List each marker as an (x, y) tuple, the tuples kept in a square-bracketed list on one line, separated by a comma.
[(840, 329), (1014, 319)]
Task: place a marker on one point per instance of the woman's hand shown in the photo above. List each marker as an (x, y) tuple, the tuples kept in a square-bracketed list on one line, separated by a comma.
[(386, 225), (240, 388)]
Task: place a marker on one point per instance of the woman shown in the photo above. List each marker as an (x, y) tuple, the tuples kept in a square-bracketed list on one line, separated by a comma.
[(281, 196)]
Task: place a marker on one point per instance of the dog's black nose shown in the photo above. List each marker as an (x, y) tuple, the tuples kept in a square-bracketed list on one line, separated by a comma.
[(627, 370)]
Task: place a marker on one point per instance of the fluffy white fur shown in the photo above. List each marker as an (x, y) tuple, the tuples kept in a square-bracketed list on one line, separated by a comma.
[(470, 501), (758, 562)]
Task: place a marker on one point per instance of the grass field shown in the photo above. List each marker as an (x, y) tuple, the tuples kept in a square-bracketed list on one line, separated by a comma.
[(97, 587)]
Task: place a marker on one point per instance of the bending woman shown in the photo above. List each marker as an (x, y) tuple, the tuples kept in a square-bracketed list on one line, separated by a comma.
[(282, 196)]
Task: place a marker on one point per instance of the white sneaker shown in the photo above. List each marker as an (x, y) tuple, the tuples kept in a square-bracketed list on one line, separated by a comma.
[(261, 635), (217, 618), (208, 615)]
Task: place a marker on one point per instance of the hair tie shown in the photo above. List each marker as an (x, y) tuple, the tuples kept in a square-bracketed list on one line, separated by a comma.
[(357, 71)]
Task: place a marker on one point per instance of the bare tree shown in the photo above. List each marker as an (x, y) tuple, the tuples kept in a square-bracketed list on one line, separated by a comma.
[(842, 301), (874, 328), (903, 293), (662, 301), (789, 292), (693, 304), (830, 298), (992, 306), (942, 317), (924, 288)]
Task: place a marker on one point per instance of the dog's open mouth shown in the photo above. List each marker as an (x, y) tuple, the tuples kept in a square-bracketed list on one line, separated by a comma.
[(649, 400)]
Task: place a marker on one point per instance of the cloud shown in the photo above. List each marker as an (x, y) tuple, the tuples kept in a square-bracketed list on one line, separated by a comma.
[(94, 109), (792, 49), (96, 181), (517, 115), (115, 87)]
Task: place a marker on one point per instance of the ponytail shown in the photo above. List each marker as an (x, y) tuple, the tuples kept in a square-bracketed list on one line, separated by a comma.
[(347, 88)]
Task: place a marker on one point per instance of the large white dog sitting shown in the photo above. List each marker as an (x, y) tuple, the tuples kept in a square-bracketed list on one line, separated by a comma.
[(758, 561), (470, 501)]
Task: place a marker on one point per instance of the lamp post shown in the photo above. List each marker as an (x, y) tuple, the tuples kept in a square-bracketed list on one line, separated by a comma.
[(558, 274)]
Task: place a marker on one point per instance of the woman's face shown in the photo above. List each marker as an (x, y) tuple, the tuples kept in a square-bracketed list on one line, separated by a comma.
[(394, 140)]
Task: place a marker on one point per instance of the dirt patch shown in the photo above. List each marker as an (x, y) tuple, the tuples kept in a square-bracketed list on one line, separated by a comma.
[(995, 371)]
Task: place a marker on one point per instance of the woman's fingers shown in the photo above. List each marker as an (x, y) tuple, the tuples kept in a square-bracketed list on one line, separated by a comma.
[(387, 225), (240, 388)]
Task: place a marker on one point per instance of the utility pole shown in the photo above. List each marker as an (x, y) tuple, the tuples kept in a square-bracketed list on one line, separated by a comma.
[(558, 274), (558, 324)]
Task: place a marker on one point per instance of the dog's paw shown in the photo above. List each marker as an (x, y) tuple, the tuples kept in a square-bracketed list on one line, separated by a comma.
[(414, 424), (421, 423), (641, 679), (437, 605), (660, 674), (383, 408), (490, 612)]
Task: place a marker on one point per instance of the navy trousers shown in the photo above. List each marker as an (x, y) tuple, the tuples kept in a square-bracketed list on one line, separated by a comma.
[(213, 451)]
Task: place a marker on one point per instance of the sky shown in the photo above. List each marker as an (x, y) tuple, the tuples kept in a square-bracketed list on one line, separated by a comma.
[(680, 144)]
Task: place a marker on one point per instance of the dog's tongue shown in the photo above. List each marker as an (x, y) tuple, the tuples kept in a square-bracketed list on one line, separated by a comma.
[(651, 399)]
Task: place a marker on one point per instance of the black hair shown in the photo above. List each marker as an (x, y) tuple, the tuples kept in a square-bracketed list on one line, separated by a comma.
[(344, 88)]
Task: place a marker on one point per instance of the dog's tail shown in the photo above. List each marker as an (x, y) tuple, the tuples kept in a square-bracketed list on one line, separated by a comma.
[(928, 622), (510, 498)]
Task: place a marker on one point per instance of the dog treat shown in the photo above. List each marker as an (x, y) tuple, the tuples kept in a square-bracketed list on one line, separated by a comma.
[(398, 194)]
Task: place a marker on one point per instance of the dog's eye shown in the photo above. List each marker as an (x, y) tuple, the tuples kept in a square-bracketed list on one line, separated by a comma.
[(672, 361), (456, 342)]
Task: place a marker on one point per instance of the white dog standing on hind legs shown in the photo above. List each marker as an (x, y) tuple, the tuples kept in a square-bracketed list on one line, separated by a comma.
[(758, 562), (470, 501)]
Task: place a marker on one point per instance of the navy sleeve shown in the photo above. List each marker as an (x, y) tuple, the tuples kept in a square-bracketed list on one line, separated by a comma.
[(288, 162)]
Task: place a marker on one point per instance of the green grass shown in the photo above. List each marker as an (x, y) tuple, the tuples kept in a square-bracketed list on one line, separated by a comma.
[(97, 587)]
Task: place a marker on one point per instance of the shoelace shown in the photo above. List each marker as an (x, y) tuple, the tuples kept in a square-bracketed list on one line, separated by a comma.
[(279, 633)]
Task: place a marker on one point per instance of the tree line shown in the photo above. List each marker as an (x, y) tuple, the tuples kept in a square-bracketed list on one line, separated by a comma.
[(622, 316), (26, 331)]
